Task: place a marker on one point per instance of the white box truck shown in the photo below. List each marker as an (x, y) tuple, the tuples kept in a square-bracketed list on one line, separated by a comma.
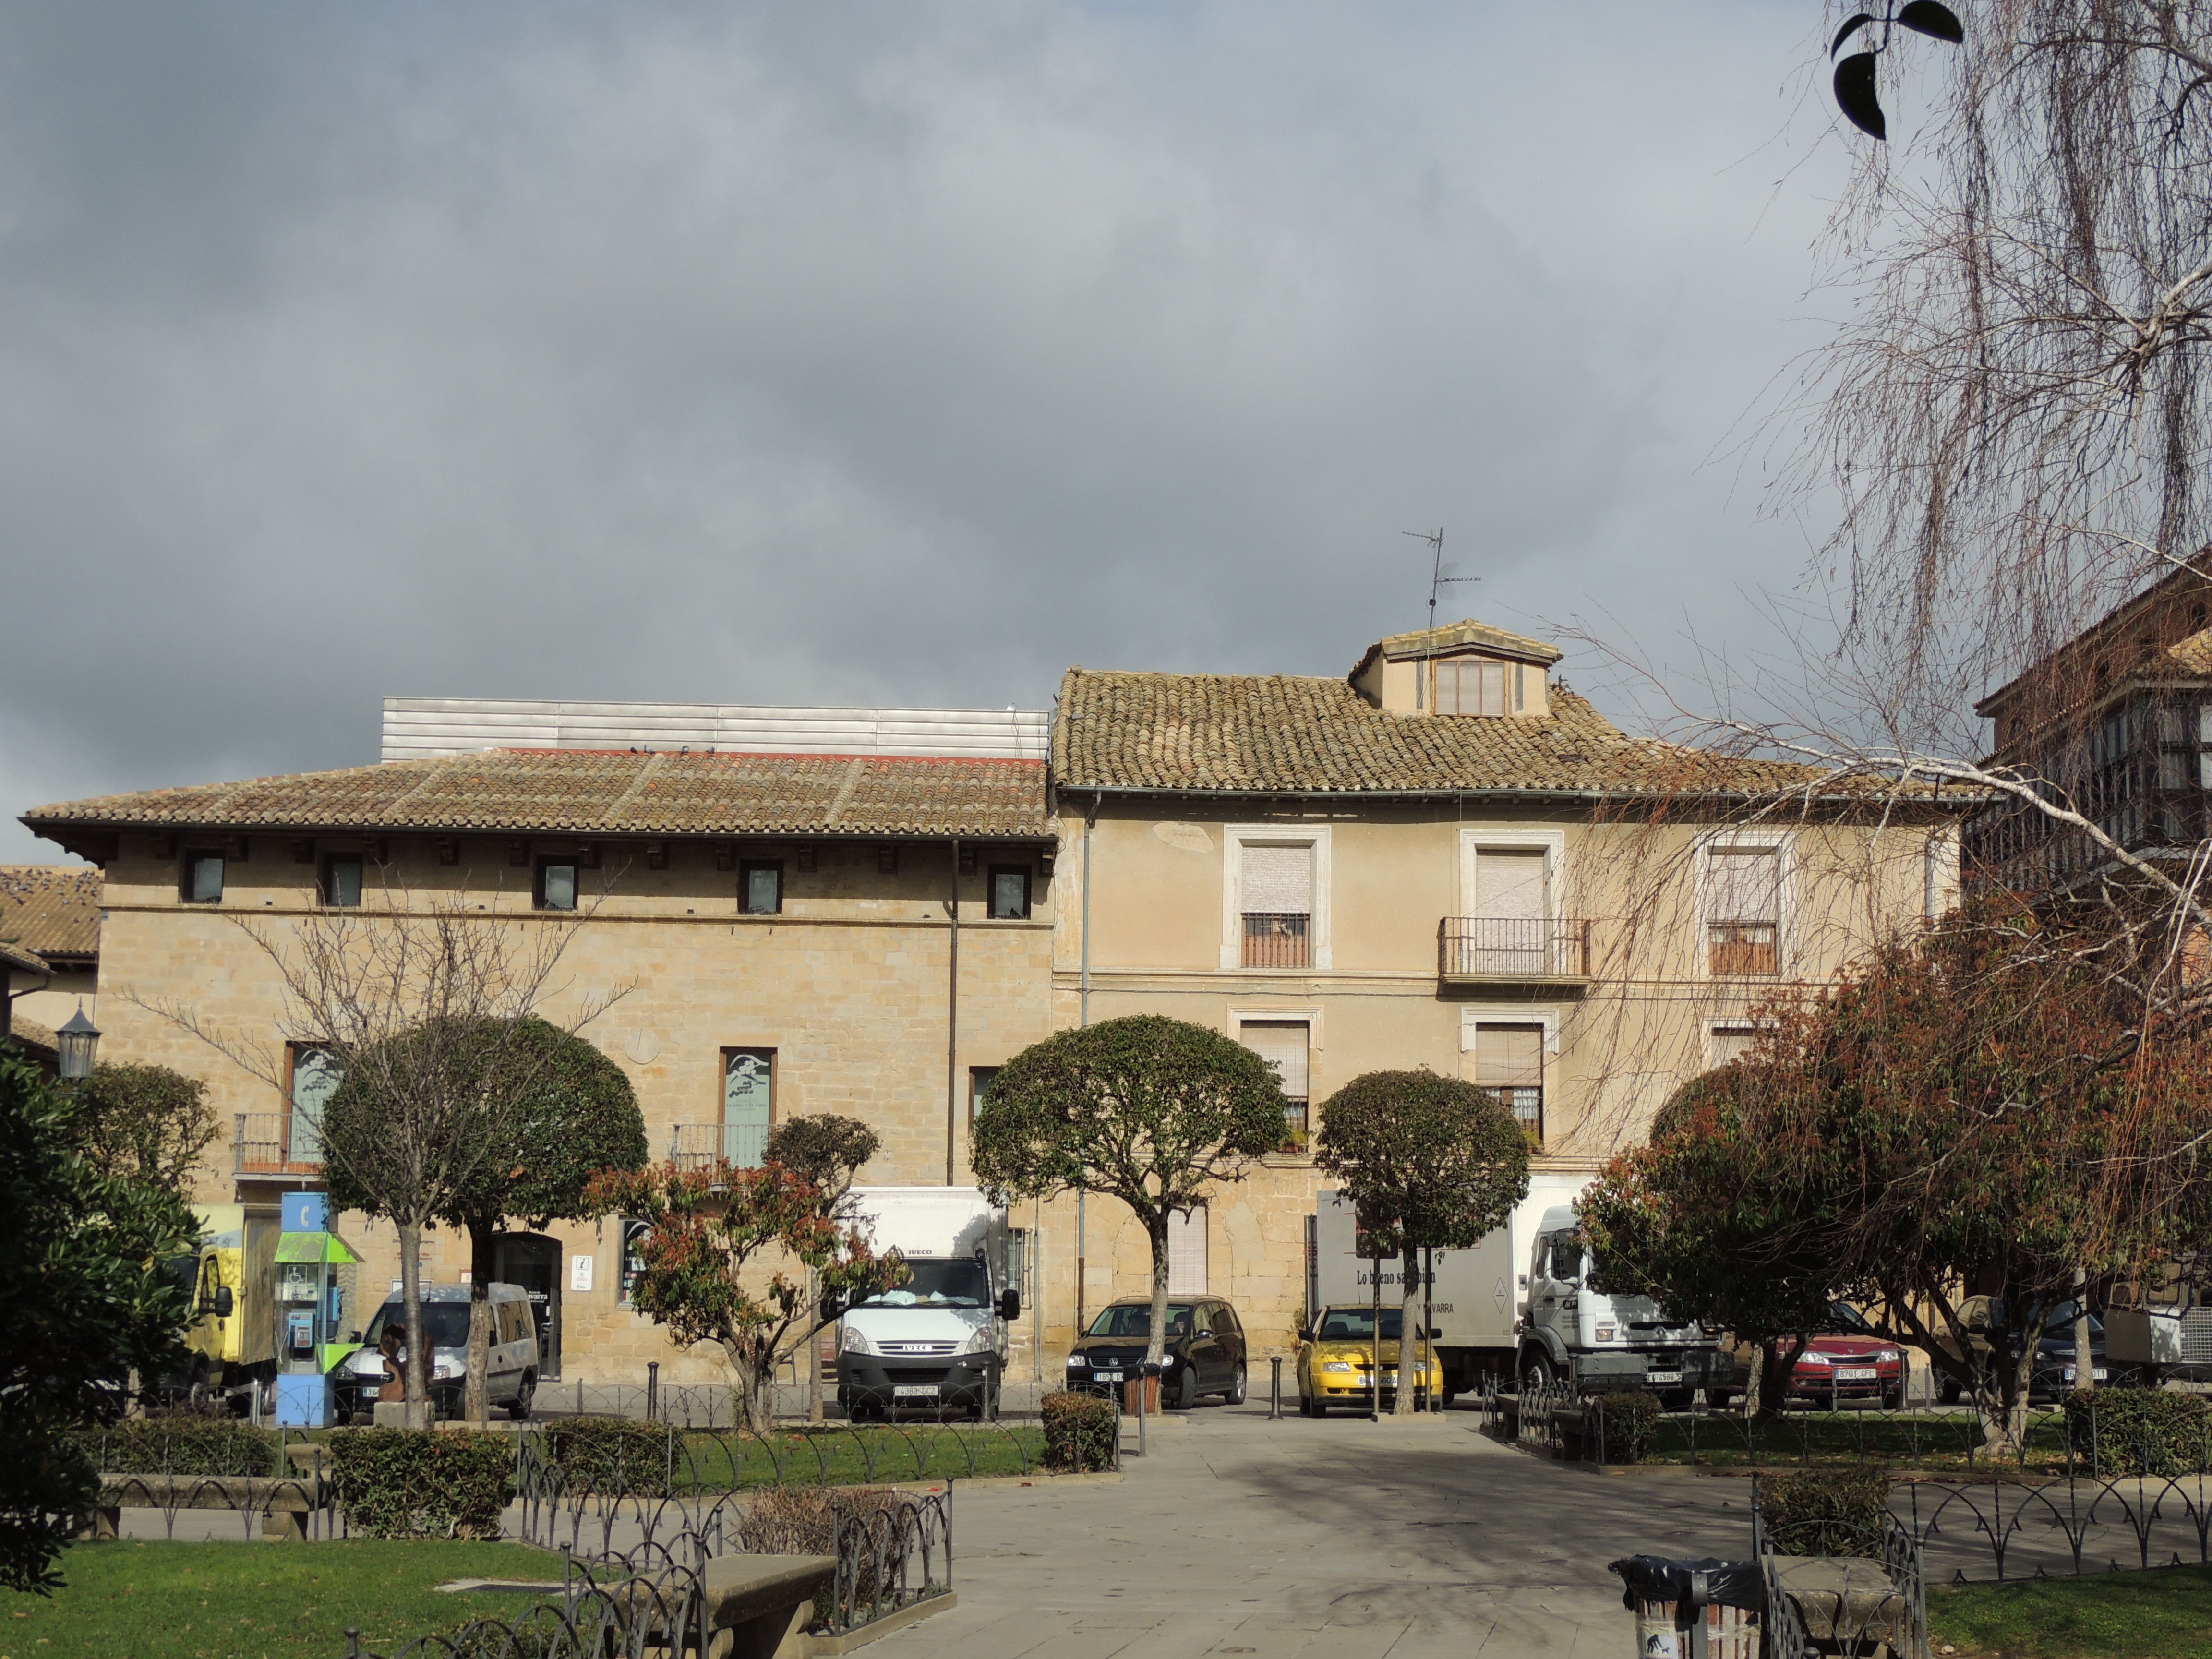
[(937, 1342), (1502, 1309)]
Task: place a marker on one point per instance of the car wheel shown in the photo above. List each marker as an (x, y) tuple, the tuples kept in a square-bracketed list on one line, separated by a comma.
[(1675, 1400), (526, 1392), (1186, 1390), (1235, 1394)]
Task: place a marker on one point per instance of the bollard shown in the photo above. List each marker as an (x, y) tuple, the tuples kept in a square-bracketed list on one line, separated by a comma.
[(1145, 1374), (652, 1390), (1275, 1361)]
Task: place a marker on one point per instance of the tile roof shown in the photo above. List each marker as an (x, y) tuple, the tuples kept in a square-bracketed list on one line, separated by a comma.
[(16, 957), (1430, 641), (1295, 735), (605, 793), (37, 1040), (51, 908)]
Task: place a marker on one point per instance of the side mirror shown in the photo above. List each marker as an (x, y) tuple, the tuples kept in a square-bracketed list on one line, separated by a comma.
[(224, 1303), (833, 1307), (1010, 1305), (356, 1337), (1435, 1331)]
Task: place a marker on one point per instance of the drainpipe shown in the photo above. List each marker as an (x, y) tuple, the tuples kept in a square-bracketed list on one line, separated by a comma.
[(1088, 818), (952, 1028)]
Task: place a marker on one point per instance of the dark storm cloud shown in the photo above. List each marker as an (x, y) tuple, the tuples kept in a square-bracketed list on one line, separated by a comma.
[(849, 353)]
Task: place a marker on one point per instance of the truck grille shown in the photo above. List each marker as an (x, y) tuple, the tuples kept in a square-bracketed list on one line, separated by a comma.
[(917, 1347), (2196, 1336)]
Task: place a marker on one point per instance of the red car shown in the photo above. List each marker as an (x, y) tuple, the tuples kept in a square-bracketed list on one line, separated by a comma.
[(1848, 1361)]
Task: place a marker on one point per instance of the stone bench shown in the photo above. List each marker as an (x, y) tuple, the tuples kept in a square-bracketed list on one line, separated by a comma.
[(283, 1505), (758, 1606), (1845, 1602)]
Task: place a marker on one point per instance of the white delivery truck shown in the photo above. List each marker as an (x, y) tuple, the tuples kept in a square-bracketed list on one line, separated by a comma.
[(1503, 1309), (937, 1341)]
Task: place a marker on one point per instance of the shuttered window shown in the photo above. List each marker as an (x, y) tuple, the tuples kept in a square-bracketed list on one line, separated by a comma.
[(1277, 903), (316, 1074), (1731, 1042), (1744, 910), (1286, 1045), (1187, 1254), (1509, 1061), (1469, 687)]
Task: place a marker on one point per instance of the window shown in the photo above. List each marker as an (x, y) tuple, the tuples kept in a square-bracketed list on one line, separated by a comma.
[(1567, 1258), (1187, 1253), (1744, 910), (634, 1234), (760, 889), (316, 1074), (342, 881), (1469, 686), (1509, 1061), (556, 883), (980, 1079), (1277, 905), (1010, 892), (202, 882), (748, 1105), (1730, 1042), (1509, 935), (1286, 1045)]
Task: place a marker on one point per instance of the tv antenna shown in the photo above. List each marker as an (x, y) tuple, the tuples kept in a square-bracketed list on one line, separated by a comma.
[(1437, 580)]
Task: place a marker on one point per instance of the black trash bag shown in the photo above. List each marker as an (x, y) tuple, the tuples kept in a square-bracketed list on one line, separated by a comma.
[(1656, 1578)]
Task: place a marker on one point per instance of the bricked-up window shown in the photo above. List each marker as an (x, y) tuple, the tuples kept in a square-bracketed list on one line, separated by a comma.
[(1278, 904), (748, 1105), (760, 889), (202, 878), (1286, 1045), (980, 1079), (342, 880), (1187, 1265), (1743, 911), (1010, 892), (1730, 1042), (1469, 687), (1509, 1061), (556, 883)]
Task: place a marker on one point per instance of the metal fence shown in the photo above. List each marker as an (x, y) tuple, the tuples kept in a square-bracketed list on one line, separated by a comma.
[(1844, 1604), (277, 1479)]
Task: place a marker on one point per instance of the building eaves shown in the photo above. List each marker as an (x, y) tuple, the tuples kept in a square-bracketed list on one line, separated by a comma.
[(52, 909)]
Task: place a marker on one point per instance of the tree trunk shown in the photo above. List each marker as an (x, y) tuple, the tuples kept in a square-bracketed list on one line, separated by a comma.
[(477, 1408), (1155, 1344), (2085, 1357), (1409, 1328), (1778, 1357), (755, 1372), (416, 1367), (812, 1371)]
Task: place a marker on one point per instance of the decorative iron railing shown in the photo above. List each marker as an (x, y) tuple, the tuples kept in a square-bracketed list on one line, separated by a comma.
[(1275, 938), (274, 1144), (744, 1144), (1513, 948)]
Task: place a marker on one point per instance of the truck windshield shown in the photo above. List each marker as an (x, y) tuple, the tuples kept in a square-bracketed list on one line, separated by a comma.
[(936, 1284), (1358, 1324), (184, 1272), (447, 1322), (1137, 1320)]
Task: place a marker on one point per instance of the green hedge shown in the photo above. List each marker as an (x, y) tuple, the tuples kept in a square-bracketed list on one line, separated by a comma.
[(402, 1482), (2141, 1431), (181, 1445), (1631, 1418), (1823, 1511), (1079, 1432), (609, 1454)]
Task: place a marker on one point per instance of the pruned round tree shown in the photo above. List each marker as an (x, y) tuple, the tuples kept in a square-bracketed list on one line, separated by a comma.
[(1428, 1162), (145, 1122), (827, 1151), (1153, 1111)]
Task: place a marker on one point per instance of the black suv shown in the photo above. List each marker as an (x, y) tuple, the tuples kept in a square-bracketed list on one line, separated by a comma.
[(1204, 1352)]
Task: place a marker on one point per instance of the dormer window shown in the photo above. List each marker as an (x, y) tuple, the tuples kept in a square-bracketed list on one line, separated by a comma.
[(1468, 685)]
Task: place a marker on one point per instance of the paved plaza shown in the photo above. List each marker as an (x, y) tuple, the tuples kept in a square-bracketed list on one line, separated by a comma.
[(1240, 1534)]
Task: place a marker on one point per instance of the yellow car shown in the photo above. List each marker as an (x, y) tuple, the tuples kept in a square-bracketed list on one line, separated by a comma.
[(1336, 1363)]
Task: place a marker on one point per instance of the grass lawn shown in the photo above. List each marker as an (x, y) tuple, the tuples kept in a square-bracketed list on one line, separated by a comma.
[(257, 1601), (2165, 1612), (857, 1456)]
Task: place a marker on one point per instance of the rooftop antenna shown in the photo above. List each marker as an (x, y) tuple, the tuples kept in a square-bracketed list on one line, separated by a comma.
[(1437, 581)]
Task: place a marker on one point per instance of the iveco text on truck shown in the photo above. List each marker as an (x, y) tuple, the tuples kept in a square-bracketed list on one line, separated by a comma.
[(939, 1340)]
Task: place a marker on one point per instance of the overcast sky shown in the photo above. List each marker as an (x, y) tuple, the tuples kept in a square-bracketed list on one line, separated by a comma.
[(848, 354)]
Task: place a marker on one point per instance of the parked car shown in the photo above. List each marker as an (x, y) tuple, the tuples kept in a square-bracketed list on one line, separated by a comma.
[(1204, 1353), (1336, 1362), (1994, 1339), (510, 1364), (1845, 1361)]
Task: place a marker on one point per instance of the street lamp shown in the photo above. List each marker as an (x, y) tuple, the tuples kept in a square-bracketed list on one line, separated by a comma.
[(77, 1041)]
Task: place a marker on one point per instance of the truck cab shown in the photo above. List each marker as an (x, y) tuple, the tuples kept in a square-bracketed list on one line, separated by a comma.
[(936, 1341), (1581, 1338)]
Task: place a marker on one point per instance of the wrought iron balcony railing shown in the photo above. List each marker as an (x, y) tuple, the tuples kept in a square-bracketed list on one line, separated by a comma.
[(1277, 939), (697, 1144), (1513, 948), (274, 1144)]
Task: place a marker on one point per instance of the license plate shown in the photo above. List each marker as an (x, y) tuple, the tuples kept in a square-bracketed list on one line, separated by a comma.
[(1856, 1373), (1108, 1376), (1663, 1376), (903, 1390)]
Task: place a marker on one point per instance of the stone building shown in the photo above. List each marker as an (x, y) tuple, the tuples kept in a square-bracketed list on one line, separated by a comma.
[(49, 945)]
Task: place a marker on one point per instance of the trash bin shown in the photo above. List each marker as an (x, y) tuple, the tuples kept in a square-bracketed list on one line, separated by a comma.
[(1692, 1609)]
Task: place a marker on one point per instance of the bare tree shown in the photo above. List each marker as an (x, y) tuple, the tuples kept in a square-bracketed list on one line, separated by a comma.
[(418, 1004)]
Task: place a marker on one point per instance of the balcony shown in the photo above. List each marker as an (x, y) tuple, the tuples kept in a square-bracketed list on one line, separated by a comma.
[(697, 1146), (1277, 938), (1744, 950), (1513, 950), (275, 1146)]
